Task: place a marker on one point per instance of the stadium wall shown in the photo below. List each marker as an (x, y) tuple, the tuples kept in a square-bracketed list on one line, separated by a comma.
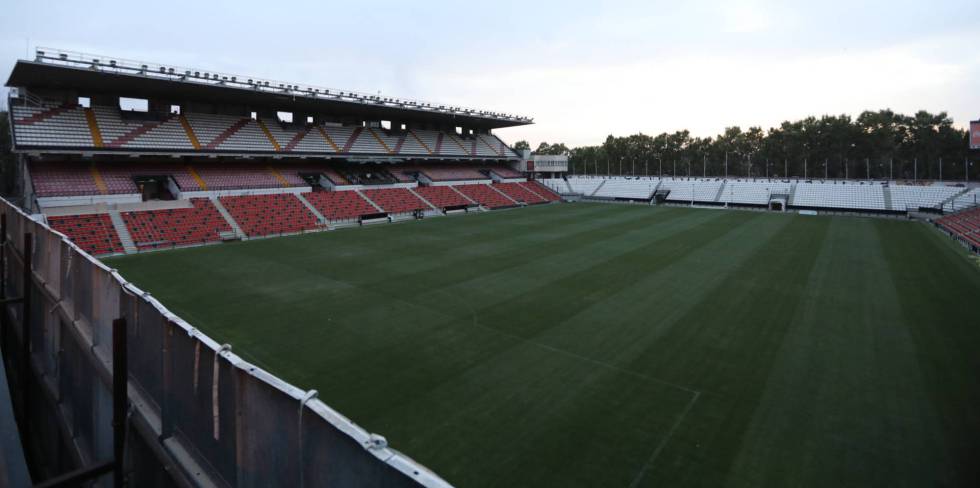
[(198, 415)]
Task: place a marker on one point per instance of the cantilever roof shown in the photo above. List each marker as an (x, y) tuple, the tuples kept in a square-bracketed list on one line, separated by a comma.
[(90, 74)]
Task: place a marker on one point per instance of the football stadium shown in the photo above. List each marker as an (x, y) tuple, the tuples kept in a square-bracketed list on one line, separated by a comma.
[(212, 279)]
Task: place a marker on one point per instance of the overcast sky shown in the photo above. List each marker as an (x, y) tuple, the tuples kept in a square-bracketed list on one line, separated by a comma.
[(582, 69)]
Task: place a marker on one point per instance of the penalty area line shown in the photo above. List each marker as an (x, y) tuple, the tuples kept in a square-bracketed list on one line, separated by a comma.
[(664, 441)]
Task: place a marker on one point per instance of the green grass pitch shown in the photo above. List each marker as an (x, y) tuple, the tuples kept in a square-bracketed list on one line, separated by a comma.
[(622, 346)]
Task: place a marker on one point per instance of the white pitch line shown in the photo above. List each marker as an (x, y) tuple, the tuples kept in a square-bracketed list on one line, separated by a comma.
[(585, 358), (663, 443), (570, 354)]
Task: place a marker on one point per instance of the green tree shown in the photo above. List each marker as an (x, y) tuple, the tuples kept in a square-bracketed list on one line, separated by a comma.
[(876, 144)]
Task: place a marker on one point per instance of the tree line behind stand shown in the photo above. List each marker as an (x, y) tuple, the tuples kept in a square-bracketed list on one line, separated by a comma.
[(876, 145)]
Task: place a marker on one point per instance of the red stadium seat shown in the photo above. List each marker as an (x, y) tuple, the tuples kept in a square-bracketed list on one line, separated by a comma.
[(280, 213), (93, 233), (175, 227)]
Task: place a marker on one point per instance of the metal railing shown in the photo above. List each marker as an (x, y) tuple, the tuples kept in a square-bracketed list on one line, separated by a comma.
[(117, 65), (193, 412)]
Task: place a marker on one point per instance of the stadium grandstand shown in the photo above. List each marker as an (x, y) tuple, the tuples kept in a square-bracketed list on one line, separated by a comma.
[(885, 198), (207, 157), (190, 157), (545, 337)]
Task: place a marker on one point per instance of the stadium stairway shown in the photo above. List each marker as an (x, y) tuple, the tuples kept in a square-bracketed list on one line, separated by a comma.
[(954, 197), (792, 194), (136, 132), (125, 238), (420, 141), (531, 190), (297, 138), (603, 182), (319, 216), (887, 194), (228, 132), (268, 135), (468, 199), (721, 191), (99, 182), (381, 141), (504, 194), (569, 185), (228, 218), (93, 127), (420, 197), (375, 205), (189, 131)]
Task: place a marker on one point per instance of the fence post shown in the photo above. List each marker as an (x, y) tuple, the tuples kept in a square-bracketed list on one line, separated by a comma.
[(166, 405), (120, 396), (25, 343), (3, 279)]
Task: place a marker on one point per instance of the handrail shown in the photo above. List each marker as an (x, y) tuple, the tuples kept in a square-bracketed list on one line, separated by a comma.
[(111, 64)]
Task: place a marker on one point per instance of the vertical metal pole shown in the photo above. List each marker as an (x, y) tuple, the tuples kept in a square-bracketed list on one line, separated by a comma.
[(940, 170), (120, 395), (915, 169), (704, 164), (3, 280), (25, 343), (726, 165), (891, 169), (3, 255)]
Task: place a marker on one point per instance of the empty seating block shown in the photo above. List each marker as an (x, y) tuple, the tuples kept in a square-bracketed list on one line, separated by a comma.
[(505, 172), (965, 224), (484, 195), (67, 126), (231, 177), (519, 193), (692, 189), (752, 192), (967, 200), (395, 200), (542, 190), (140, 134), (442, 196), (340, 205), (93, 233), (631, 188), (840, 195), (908, 197), (453, 173), (62, 179), (51, 126), (175, 227), (557, 185), (584, 185), (260, 215), (335, 177)]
